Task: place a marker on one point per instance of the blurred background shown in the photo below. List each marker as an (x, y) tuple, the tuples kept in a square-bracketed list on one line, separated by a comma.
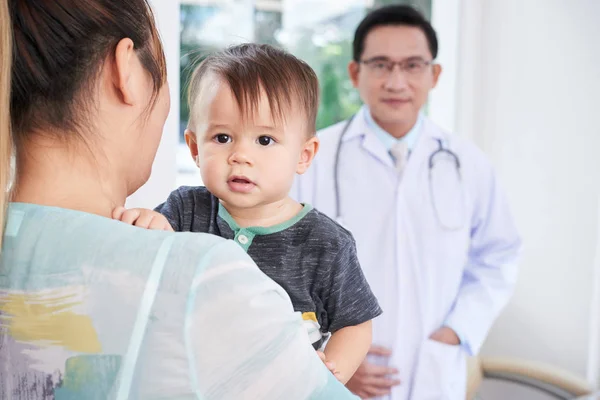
[(521, 78)]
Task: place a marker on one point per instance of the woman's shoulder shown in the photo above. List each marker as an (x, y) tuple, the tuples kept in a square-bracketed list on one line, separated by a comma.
[(75, 236), (44, 244)]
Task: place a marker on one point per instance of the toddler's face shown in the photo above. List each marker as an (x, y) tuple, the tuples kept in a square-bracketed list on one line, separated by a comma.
[(247, 162)]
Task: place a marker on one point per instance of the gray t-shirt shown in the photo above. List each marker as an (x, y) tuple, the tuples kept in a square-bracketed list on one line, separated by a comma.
[(310, 256)]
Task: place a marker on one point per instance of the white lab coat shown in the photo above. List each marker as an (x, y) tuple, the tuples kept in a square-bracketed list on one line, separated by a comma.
[(424, 276)]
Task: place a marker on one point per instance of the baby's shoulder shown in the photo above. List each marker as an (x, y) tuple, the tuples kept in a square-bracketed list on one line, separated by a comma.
[(327, 233)]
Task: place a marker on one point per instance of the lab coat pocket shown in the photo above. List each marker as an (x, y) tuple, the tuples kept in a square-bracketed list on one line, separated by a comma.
[(441, 372)]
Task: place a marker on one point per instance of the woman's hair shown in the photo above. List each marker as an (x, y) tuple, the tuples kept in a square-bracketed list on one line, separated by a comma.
[(5, 137), (58, 51)]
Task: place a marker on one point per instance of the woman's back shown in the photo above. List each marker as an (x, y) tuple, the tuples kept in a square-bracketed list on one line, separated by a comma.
[(92, 308)]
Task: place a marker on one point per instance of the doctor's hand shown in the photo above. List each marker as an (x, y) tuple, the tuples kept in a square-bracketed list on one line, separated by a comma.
[(445, 335), (371, 380)]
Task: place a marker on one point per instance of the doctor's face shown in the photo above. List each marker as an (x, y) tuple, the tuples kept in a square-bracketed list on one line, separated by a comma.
[(394, 75), (247, 161)]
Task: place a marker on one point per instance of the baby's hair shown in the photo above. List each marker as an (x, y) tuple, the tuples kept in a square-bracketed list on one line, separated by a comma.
[(290, 84)]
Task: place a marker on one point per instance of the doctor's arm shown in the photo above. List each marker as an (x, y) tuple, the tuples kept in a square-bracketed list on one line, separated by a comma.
[(491, 271)]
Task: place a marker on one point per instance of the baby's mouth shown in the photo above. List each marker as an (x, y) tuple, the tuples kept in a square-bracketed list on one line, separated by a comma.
[(240, 184)]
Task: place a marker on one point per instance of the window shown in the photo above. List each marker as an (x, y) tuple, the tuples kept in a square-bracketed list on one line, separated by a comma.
[(318, 31)]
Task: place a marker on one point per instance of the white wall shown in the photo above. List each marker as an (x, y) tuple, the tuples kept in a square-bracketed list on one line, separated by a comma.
[(530, 74), (164, 171), (442, 100)]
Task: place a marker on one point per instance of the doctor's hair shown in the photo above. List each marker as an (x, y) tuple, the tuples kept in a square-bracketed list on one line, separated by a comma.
[(252, 70), (393, 15), (5, 137)]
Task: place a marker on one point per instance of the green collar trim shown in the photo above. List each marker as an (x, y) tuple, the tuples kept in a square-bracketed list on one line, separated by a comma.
[(264, 230)]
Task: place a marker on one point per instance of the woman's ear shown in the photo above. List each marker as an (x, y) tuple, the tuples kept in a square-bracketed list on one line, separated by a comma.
[(309, 151), (124, 64)]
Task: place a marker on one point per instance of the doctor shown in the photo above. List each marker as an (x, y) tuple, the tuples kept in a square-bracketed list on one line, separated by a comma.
[(434, 234)]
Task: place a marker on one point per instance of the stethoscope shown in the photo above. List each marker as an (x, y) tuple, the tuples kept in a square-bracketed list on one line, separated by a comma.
[(440, 151)]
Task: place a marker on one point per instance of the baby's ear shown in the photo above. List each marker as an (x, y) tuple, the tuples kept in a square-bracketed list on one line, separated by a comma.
[(309, 151), (190, 139)]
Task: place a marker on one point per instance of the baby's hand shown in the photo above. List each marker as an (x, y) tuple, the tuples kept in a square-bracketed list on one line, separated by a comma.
[(329, 364), (142, 218)]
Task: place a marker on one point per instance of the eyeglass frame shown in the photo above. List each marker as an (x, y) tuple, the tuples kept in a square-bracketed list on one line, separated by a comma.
[(392, 64)]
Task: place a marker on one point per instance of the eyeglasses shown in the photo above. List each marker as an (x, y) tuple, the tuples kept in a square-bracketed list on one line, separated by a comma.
[(383, 67)]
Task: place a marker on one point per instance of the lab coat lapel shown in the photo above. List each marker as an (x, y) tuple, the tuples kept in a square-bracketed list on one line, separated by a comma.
[(369, 141), (374, 147), (423, 148), (413, 185)]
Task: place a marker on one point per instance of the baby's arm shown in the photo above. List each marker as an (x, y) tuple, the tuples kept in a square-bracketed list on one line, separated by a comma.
[(347, 349), (350, 307), (142, 218)]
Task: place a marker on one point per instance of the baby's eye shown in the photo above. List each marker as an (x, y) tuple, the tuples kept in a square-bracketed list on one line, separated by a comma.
[(222, 138), (265, 140)]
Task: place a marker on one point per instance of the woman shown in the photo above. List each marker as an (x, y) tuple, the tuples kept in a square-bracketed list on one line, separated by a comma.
[(93, 308)]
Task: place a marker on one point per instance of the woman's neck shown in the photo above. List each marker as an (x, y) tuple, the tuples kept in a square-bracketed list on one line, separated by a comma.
[(264, 215), (52, 175)]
